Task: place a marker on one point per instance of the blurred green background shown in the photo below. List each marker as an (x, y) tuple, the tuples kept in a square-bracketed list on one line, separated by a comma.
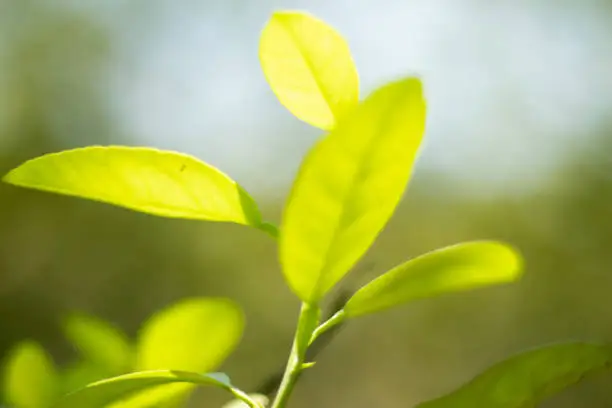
[(519, 148)]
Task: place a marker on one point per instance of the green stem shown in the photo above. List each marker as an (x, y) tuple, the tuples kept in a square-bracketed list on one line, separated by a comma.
[(308, 320), (244, 397), (333, 321)]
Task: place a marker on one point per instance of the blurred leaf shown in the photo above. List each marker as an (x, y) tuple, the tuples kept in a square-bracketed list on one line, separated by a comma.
[(526, 379), (103, 393), (261, 399), (152, 181), (348, 187), (195, 334), (192, 335), (30, 378), (309, 67), (169, 395), (99, 342), (455, 268)]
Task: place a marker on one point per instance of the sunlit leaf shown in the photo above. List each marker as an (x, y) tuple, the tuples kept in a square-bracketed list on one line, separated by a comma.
[(309, 67), (30, 377), (455, 268), (348, 187), (192, 335), (104, 393), (526, 379), (148, 180), (99, 342)]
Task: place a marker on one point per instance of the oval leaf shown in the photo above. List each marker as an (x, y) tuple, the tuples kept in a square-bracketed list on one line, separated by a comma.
[(192, 335), (99, 343), (348, 187), (309, 67), (152, 181), (528, 378), (106, 392), (454, 268), (195, 334), (30, 377)]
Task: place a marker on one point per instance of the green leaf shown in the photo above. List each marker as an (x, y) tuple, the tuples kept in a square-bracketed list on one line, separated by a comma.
[(30, 377), (309, 67), (152, 181), (196, 335), (270, 229), (100, 343), (526, 379), (455, 268), (104, 393), (348, 187), (80, 373)]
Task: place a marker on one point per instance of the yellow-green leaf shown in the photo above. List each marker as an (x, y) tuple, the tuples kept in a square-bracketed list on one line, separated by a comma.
[(80, 373), (455, 268), (148, 180), (30, 377), (99, 343), (196, 335), (526, 379), (309, 67), (105, 393), (348, 187)]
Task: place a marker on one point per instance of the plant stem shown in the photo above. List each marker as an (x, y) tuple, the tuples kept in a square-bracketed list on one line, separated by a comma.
[(333, 321), (244, 397), (307, 322)]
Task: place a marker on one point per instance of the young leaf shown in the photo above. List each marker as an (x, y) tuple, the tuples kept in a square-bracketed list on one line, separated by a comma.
[(192, 335), (103, 393), (454, 268), (348, 187), (99, 343), (30, 378), (152, 181), (309, 67), (528, 378)]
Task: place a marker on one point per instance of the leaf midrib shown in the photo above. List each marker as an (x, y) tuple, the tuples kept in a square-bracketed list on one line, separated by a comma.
[(326, 97), (381, 127)]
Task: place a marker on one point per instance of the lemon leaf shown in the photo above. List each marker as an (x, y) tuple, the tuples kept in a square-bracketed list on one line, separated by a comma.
[(455, 268), (30, 377), (99, 343), (348, 186), (153, 181), (526, 379), (309, 67), (102, 394)]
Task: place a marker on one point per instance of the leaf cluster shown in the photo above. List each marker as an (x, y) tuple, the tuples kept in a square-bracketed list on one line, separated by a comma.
[(346, 190)]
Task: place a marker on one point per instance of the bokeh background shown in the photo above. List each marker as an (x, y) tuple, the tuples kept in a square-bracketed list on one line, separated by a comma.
[(519, 148)]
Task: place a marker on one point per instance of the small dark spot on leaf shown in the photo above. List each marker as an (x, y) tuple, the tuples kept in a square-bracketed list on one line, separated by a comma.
[(183, 167)]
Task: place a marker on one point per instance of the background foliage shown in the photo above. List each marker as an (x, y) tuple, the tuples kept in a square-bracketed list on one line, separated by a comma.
[(74, 75)]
